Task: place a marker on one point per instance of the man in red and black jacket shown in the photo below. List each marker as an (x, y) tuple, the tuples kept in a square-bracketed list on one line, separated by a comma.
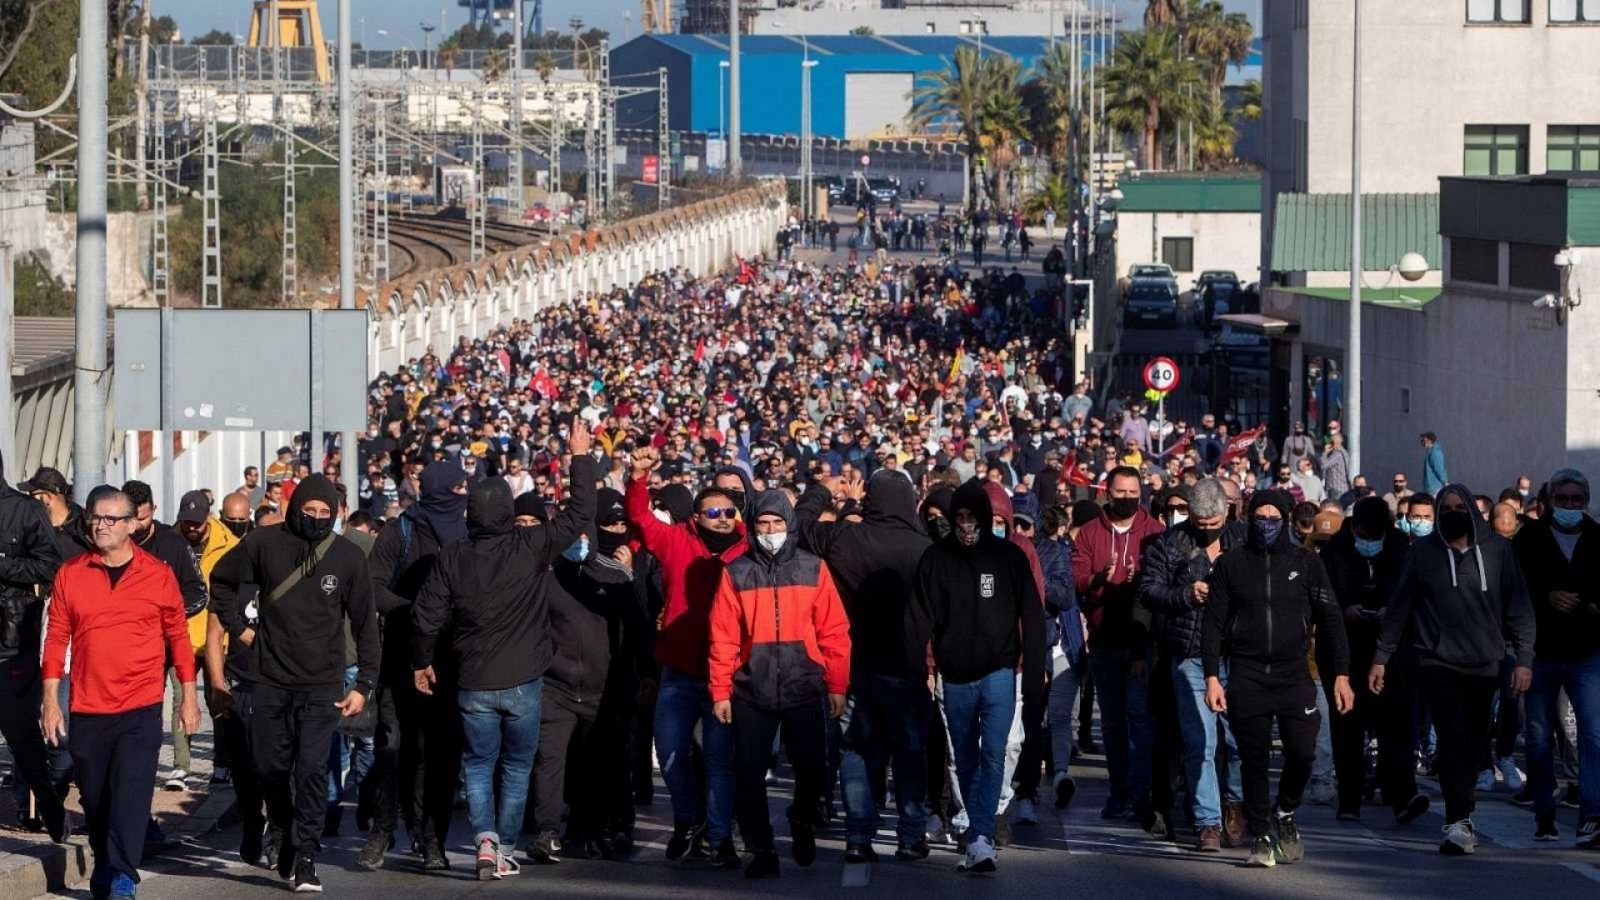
[(692, 555), (780, 641)]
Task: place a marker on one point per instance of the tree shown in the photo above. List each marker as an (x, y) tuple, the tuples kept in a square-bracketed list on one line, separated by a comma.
[(1248, 106), (213, 38), (18, 20), (1217, 38), (1051, 90), (953, 95), (1003, 122), (37, 37), (862, 31), (1054, 193), (1164, 13), (1214, 135), (1149, 84)]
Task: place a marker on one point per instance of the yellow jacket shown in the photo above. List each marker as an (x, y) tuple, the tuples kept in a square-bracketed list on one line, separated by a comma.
[(219, 540)]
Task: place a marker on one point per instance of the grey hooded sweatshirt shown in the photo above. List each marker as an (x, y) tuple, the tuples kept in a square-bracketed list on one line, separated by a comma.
[(1458, 609)]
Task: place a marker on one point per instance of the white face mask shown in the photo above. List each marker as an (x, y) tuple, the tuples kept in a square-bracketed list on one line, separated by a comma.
[(772, 543), (662, 516)]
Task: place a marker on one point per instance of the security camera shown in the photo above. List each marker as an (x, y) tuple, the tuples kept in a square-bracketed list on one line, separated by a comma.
[(1548, 301)]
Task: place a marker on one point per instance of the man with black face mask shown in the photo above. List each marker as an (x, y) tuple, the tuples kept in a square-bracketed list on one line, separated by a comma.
[(313, 581), (1264, 598), (236, 515), (1460, 598)]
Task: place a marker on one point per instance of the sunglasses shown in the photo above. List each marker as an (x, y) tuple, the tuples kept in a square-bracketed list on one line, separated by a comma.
[(719, 512)]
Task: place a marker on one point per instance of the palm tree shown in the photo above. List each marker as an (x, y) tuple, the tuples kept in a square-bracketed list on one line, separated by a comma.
[(1164, 13), (1004, 124), (1053, 85), (955, 96), (1148, 84), (1214, 135), (1055, 192), (1216, 38), (1248, 108)]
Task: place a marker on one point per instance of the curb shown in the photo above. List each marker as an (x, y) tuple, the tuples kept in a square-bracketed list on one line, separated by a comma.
[(29, 869)]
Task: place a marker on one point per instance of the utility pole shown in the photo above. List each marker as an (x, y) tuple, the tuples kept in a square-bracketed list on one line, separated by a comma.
[(141, 110), (663, 142), (89, 404), (1352, 362), (349, 464), (160, 262), (806, 199), (211, 209), (479, 181), (290, 276), (735, 161), (514, 155), (380, 213)]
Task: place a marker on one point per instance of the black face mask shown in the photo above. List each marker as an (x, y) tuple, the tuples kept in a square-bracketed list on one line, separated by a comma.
[(737, 497), (1207, 536), (239, 529), (314, 529), (938, 527), (1123, 507), (1455, 524), (609, 541), (717, 541)]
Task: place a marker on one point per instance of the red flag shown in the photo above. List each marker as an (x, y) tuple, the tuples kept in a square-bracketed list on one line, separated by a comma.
[(1075, 477), (1239, 444), (1179, 447), (700, 350)]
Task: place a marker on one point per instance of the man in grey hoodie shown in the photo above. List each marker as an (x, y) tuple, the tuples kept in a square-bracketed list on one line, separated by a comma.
[(1460, 598)]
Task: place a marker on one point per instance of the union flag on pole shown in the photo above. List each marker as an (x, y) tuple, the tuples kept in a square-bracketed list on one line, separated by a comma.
[(1239, 444)]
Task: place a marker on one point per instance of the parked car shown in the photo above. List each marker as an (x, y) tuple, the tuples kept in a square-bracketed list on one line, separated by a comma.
[(1151, 270), (1210, 275), (1150, 300), (835, 186), (882, 190), (1218, 297)]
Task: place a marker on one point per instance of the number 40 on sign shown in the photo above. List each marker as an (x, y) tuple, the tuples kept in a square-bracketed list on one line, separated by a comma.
[(1161, 375)]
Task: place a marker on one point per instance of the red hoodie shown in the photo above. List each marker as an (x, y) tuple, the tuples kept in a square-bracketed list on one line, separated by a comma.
[(1109, 602), (690, 575), (1000, 502)]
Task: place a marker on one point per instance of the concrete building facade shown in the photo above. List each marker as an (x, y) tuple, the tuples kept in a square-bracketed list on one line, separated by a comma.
[(1192, 223)]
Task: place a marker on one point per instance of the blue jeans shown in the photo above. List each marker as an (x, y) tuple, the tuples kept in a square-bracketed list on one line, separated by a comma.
[(681, 702), (1198, 725), (500, 731), (979, 715), (885, 720), (352, 755), (1581, 681), (1125, 724)]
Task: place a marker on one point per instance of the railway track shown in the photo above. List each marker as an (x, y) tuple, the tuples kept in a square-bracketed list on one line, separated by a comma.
[(429, 242)]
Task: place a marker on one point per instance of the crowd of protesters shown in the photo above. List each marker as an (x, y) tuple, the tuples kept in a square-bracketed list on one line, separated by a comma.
[(852, 520)]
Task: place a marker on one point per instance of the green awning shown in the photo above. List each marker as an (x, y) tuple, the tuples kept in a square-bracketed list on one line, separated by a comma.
[(1191, 193), (1311, 232), (1396, 297)]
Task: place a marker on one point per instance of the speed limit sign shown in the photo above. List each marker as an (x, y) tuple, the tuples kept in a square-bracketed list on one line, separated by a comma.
[(1161, 375)]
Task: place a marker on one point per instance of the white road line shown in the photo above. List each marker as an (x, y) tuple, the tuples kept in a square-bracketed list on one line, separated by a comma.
[(1587, 870)]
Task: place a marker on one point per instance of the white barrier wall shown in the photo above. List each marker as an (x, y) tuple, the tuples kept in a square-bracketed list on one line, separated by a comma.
[(432, 309)]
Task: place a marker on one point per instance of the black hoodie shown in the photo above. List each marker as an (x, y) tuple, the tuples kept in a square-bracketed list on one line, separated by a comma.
[(300, 637), (970, 601), (1458, 609), (1264, 602), (402, 559), (875, 564), (491, 593), (28, 557)]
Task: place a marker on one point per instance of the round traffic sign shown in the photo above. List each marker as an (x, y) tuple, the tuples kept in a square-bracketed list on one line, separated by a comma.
[(866, 160), (1161, 374)]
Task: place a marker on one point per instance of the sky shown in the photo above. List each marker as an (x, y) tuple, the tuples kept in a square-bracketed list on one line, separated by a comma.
[(401, 18)]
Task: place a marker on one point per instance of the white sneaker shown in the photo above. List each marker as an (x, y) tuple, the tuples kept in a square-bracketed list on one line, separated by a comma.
[(1321, 793), (980, 856), (1460, 838), (1509, 773), (177, 780), (1026, 814), (934, 830), (1486, 780)]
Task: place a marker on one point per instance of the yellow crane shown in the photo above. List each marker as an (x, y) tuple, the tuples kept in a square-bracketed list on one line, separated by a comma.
[(656, 15)]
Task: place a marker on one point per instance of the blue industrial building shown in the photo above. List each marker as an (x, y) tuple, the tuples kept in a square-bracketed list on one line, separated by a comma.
[(860, 84)]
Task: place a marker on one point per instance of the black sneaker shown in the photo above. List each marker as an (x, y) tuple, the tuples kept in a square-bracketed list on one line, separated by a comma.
[(433, 858), (305, 876), (804, 839), (726, 856), (683, 835), (912, 852), (1289, 847), (1413, 810), (1589, 833), (700, 849), (1066, 789), (763, 865), (373, 851), (860, 853), (1263, 855), (545, 849), (1154, 823), (1544, 828)]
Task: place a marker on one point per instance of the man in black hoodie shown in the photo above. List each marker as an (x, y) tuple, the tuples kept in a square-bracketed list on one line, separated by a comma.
[(1363, 561), (313, 582), (978, 604), (887, 714), (490, 597), (1460, 598), (1264, 598), (417, 752)]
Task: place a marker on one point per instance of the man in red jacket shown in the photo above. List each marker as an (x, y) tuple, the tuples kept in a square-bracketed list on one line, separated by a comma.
[(1105, 567), (692, 555), (120, 610)]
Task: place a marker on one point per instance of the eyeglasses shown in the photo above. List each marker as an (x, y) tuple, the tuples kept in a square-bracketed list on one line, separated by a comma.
[(97, 521), (719, 512)]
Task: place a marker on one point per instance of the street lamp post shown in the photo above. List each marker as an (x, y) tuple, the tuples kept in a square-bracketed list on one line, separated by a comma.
[(1352, 362), (427, 44), (722, 108), (735, 162)]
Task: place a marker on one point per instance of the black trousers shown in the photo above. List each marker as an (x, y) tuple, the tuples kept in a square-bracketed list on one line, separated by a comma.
[(566, 723), (114, 758), (21, 696), (291, 731), (602, 804), (805, 742), (1389, 716), (416, 764), (234, 729), (1459, 705), (1035, 756), (642, 762), (1166, 745), (938, 746), (1255, 701)]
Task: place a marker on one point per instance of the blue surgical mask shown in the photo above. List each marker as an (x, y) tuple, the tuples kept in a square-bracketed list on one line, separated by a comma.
[(1369, 549), (999, 531), (1567, 518), (579, 551), (1421, 528), (1404, 524)]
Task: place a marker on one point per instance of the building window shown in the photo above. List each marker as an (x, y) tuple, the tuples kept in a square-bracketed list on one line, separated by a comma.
[(932, 28), (1533, 267), (1474, 260), (1324, 396), (1496, 150), (964, 26), (1497, 11), (1178, 253), (1575, 11), (1572, 148)]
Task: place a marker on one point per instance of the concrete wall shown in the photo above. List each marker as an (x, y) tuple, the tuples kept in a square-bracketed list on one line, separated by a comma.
[(1507, 389), (1221, 241), (127, 253)]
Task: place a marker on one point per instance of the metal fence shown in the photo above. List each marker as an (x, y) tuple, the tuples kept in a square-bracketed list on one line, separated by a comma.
[(235, 63)]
